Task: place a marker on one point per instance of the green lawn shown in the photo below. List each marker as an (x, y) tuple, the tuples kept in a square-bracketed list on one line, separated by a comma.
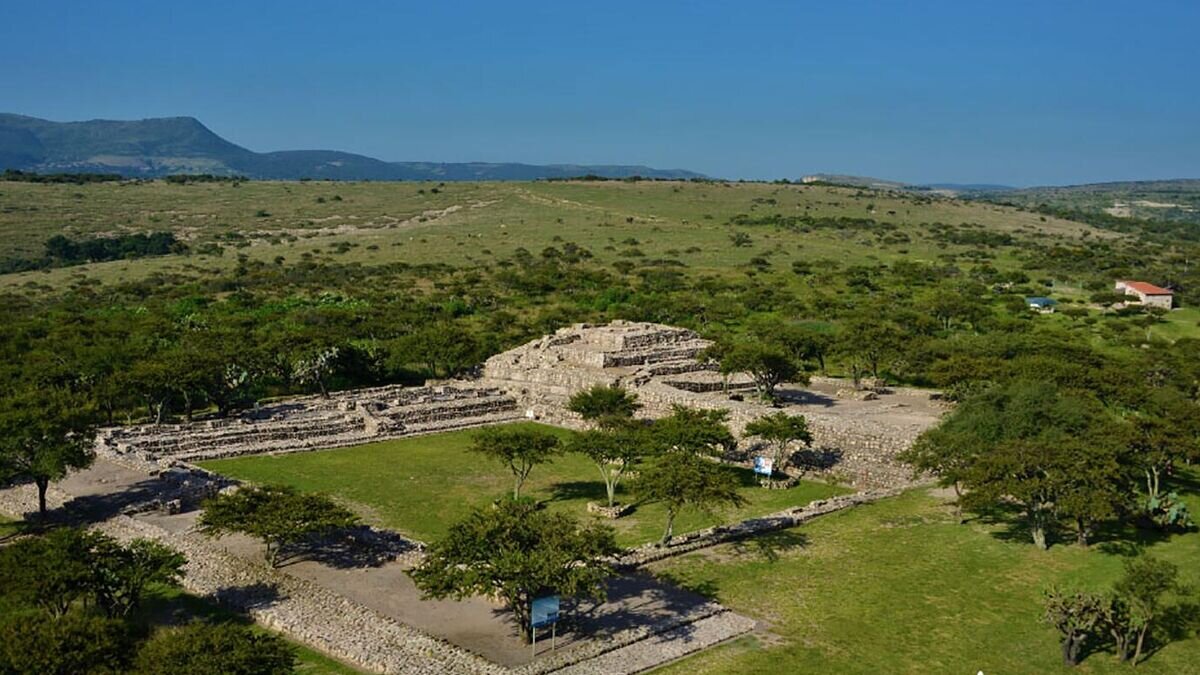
[(1179, 324), (900, 587), (422, 485), (8, 527)]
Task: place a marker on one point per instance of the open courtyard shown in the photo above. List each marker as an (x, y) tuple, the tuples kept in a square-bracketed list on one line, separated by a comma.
[(420, 485)]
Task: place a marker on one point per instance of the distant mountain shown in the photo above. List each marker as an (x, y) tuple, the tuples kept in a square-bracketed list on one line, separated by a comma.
[(174, 145)]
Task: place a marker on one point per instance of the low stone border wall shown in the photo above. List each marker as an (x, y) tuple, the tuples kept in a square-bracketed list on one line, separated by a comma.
[(720, 534)]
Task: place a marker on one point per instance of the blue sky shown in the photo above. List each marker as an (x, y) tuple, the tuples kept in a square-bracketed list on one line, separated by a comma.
[(968, 91)]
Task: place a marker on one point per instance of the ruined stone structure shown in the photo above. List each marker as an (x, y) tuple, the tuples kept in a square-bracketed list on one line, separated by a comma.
[(856, 439), (313, 423)]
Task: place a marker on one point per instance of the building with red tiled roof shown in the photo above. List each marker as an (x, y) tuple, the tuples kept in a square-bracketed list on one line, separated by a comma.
[(1146, 293)]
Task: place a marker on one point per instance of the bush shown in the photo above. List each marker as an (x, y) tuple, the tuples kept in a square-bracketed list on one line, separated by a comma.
[(71, 645), (214, 649)]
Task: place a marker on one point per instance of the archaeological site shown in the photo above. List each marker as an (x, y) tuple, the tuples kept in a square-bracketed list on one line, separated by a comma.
[(145, 483)]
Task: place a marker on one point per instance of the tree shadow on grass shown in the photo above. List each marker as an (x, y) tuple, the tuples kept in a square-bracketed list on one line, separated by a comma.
[(578, 490), (768, 547)]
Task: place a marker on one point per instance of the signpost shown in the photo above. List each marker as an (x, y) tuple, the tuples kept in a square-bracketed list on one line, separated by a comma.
[(544, 613), (763, 466)]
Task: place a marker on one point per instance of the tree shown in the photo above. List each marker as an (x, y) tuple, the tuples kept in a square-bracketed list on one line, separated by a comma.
[(520, 448), (603, 404), (692, 430), (779, 430), (949, 451), (279, 515), (44, 433), (866, 342), (614, 449), (214, 649), (686, 480), (1141, 591), (1075, 615), (767, 364), (1036, 445), (1166, 434), (517, 552), (56, 570), (121, 573), (49, 571), (75, 644)]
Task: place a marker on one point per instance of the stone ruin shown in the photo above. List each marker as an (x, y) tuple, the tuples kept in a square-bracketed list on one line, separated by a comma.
[(855, 439), (313, 423)]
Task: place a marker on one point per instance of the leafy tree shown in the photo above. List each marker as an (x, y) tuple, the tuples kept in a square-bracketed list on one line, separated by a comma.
[(44, 433), (55, 570), (51, 571), (1141, 591), (519, 448), (1036, 448), (1075, 615), (866, 342), (692, 430), (948, 451), (75, 644), (614, 449), (517, 552), (604, 405), (1166, 434), (779, 430), (120, 573), (281, 516), (686, 480), (214, 649), (768, 365)]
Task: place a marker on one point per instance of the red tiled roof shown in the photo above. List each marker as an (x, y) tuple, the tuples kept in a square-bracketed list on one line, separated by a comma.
[(1148, 289)]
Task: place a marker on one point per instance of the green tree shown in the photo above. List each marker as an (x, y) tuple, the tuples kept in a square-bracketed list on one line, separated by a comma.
[(120, 573), (780, 430), (614, 449), (44, 433), (75, 644), (517, 552), (1142, 590), (1036, 445), (604, 405), (214, 649), (279, 515), (1075, 616), (768, 365), (866, 343), (682, 480), (692, 430), (50, 571), (519, 448)]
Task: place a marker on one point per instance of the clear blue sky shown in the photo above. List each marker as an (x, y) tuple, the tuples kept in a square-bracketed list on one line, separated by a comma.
[(965, 91)]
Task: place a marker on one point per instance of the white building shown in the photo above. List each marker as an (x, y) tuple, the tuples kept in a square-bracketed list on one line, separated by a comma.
[(1146, 294)]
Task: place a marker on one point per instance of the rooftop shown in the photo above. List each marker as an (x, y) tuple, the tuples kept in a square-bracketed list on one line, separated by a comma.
[(1146, 288)]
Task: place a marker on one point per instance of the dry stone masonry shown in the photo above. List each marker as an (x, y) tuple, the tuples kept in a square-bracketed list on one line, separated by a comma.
[(855, 440), (314, 423)]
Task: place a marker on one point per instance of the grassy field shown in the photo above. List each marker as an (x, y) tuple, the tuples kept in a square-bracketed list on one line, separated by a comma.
[(900, 587), (475, 223), (422, 485), (1180, 323)]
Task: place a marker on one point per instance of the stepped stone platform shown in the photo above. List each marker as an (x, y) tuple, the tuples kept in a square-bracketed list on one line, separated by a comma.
[(856, 440), (313, 423)]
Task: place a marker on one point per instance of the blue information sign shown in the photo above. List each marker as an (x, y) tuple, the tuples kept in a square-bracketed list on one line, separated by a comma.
[(763, 465), (545, 611)]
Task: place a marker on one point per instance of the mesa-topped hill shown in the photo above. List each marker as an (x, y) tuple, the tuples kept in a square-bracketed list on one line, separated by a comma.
[(173, 145)]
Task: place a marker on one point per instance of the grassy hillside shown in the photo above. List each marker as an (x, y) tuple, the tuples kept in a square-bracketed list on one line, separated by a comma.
[(466, 223)]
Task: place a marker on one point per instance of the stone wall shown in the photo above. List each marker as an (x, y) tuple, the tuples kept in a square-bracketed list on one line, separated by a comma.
[(313, 423)]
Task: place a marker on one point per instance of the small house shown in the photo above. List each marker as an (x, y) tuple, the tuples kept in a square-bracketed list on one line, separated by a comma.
[(1147, 294), (1041, 305)]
